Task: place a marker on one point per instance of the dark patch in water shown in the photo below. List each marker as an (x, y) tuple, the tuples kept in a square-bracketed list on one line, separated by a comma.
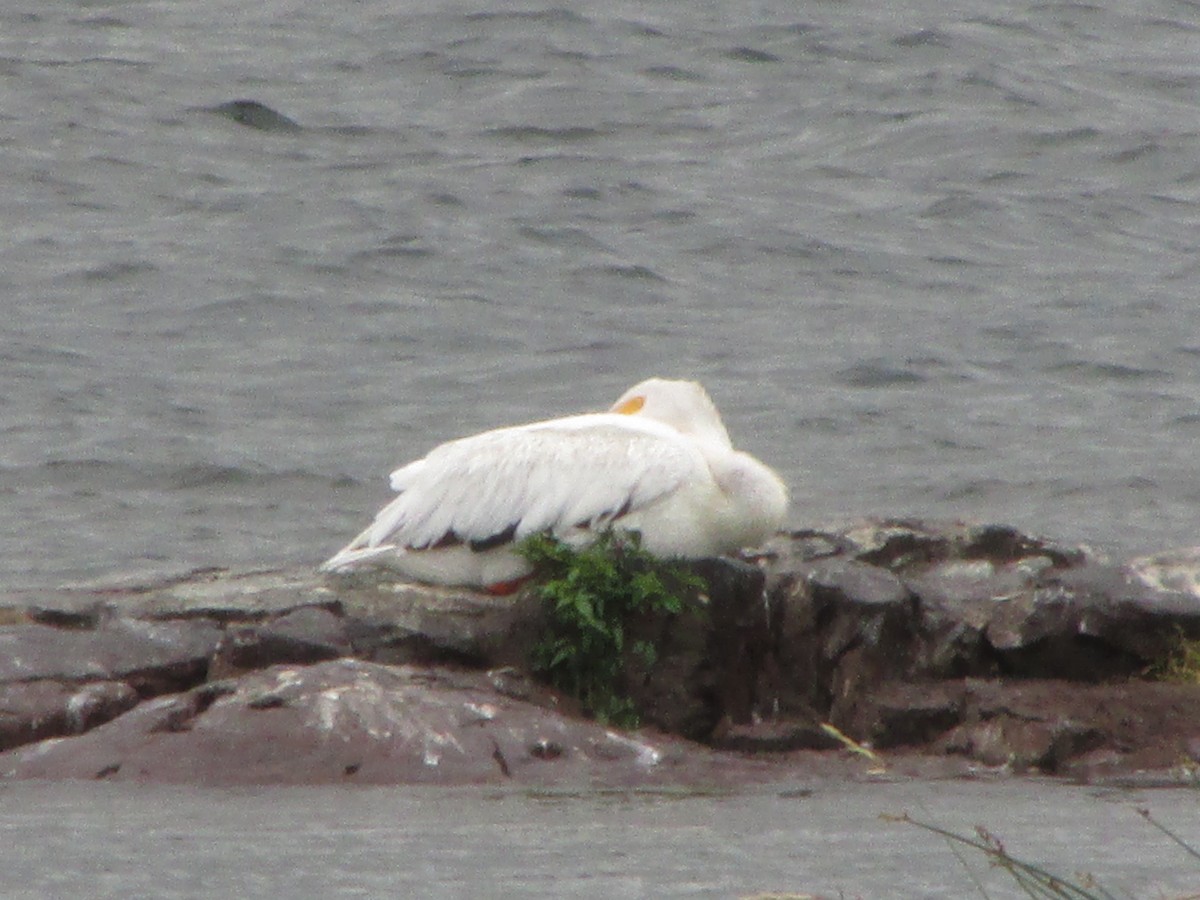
[(1065, 136), (749, 54), (672, 73), (1134, 153), (875, 375), (635, 272), (445, 198), (1104, 371), (92, 476), (256, 115), (549, 16), (117, 271), (926, 37), (534, 133)]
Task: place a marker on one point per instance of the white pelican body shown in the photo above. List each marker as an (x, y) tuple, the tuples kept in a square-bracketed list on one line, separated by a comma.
[(659, 462)]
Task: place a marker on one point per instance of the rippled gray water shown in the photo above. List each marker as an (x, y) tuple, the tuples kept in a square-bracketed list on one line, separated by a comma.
[(101, 840), (929, 261)]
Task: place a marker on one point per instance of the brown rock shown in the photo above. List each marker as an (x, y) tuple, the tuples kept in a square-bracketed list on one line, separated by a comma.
[(1021, 744), (775, 736), (32, 711), (397, 622), (709, 657), (842, 627), (957, 601), (972, 645), (352, 721), (306, 635), (906, 714)]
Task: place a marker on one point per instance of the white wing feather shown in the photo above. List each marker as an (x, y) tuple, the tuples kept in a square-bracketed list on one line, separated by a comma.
[(556, 475)]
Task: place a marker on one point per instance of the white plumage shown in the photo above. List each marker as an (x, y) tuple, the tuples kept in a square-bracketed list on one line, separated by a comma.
[(658, 462)]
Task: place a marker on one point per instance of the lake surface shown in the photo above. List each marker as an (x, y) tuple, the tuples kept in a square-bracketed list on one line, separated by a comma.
[(929, 261), (107, 840)]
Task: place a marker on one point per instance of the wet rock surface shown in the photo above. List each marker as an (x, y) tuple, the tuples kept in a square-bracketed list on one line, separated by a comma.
[(947, 649), (983, 642), (352, 721)]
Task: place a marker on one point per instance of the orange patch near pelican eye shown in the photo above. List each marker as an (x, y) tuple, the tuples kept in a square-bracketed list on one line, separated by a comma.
[(630, 406)]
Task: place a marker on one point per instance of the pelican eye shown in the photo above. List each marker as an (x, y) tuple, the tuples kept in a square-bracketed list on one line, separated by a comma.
[(630, 406)]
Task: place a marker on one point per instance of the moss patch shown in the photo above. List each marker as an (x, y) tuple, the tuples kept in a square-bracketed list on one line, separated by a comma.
[(1181, 665)]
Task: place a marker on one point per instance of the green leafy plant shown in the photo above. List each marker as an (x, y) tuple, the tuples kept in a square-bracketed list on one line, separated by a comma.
[(591, 595)]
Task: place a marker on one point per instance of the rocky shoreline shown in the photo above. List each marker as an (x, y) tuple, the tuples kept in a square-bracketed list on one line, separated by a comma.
[(883, 649)]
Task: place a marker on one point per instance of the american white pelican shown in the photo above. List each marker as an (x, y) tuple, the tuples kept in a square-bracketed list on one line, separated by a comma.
[(658, 462)]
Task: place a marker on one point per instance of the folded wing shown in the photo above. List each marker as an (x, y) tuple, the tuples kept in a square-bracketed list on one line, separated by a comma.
[(485, 490)]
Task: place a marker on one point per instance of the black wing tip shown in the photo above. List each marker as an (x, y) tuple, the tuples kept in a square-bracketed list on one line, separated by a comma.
[(477, 545)]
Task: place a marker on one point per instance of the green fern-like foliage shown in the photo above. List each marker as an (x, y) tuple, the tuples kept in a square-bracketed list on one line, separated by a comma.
[(590, 595)]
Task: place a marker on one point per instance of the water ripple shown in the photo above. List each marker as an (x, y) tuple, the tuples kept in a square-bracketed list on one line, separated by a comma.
[(932, 266)]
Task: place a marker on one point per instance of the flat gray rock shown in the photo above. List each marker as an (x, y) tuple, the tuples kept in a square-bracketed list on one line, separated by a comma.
[(143, 653)]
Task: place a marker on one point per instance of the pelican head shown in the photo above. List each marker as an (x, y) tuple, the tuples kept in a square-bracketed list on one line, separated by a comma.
[(683, 405)]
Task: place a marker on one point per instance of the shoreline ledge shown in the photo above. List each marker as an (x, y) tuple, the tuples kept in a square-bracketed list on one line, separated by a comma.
[(934, 649)]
